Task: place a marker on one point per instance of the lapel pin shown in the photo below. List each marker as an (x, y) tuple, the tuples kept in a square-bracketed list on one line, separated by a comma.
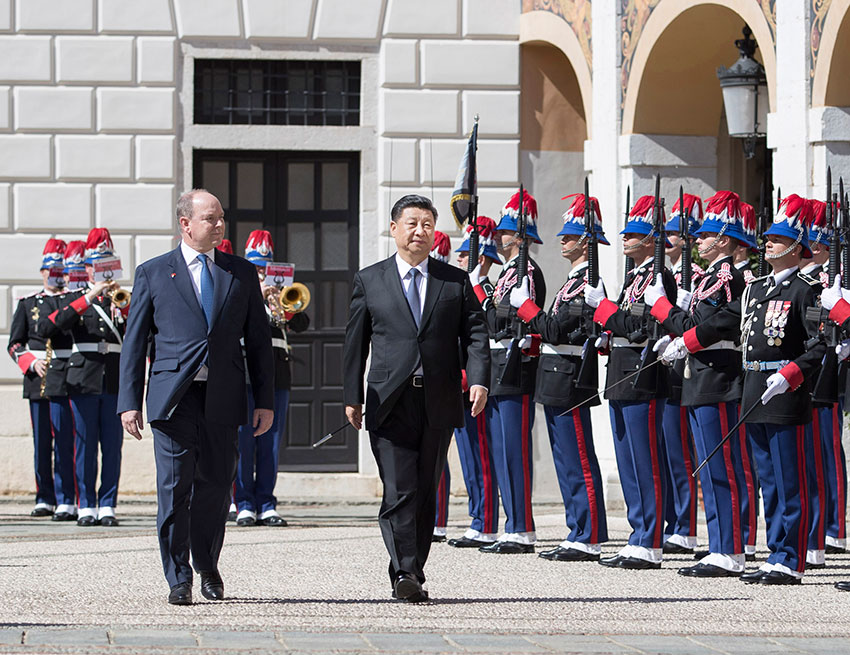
[(174, 275)]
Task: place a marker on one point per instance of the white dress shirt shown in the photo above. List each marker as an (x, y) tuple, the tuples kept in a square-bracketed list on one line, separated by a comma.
[(190, 255)]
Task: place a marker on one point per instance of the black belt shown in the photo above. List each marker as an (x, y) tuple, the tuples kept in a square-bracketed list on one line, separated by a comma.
[(417, 381)]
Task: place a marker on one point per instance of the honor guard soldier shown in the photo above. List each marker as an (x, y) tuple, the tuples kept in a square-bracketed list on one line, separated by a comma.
[(636, 413), (680, 531), (564, 337), (473, 440), (510, 408), (97, 326), (42, 363), (776, 402), (711, 385), (256, 474), (825, 462)]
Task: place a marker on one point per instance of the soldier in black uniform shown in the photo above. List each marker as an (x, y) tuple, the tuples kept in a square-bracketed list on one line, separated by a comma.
[(777, 368), (636, 414), (563, 333), (97, 327), (711, 385), (42, 363), (510, 408)]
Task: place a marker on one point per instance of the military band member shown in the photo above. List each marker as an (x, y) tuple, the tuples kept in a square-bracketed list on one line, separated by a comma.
[(563, 336), (97, 327), (42, 363), (711, 385), (777, 368), (256, 473), (474, 443), (636, 414), (510, 407)]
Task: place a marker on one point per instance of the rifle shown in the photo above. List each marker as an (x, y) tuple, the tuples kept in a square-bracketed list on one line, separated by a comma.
[(761, 226), (826, 386), (588, 373), (648, 379), (684, 242), (511, 373), (630, 263)]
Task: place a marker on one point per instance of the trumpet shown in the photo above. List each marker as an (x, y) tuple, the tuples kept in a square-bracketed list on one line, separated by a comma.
[(120, 297), (295, 298)]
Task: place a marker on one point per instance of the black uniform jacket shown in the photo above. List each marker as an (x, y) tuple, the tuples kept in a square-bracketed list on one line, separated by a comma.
[(500, 324), (380, 320), (280, 346), (93, 364), (715, 374), (556, 373), (618, 319), (772, 328)]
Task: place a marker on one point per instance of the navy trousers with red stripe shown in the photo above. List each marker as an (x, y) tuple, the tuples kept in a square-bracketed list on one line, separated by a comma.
[(722, 479), (637, 428), (835, 470), (779, 451), (441, 518), (509, 422), (678, 456), (571, 438), (750, 499), (53, 451), (479, 473)]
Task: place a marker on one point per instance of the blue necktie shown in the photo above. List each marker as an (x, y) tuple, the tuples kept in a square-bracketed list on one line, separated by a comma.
[(206, 289), (413, 295)]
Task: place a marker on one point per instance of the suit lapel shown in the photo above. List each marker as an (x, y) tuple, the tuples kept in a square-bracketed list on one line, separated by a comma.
[(183, 283), (222, 279), (396, 291), (431, 294)]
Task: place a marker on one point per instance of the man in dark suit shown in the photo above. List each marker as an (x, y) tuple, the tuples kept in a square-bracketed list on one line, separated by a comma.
[(190, 308), (412, 311)]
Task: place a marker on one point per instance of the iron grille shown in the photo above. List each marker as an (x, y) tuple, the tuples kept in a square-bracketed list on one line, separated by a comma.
[(259, 92)]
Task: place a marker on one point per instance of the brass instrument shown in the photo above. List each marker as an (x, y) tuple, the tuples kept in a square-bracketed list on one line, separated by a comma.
[(295, 298), (273, 302), (120, 297), (48, 357)]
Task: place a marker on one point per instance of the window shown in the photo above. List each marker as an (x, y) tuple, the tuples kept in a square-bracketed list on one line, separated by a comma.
[(257, 92)]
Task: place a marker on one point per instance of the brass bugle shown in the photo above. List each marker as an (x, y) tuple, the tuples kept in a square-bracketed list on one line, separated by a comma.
[(120, 297), (295, 298)]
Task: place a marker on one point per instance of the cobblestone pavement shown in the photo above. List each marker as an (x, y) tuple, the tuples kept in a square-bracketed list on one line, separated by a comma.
[(320, 586)]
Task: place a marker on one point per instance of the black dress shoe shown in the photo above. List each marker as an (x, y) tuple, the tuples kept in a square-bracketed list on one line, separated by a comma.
[(231, 517), (507, 548), (753, 576), (561, 554), (843, 585), (707, 571), (612, 562), (273, 521), (671, 548), (465, 542), (41, 512), (407, 587), (246, 521), (637, 564), (86, 521), (212, 587), (437, 538), (750, 557), (835, 550), (109, 521), (180, 594), (64, 516), (822, 565), (778, 577), (699, 554)]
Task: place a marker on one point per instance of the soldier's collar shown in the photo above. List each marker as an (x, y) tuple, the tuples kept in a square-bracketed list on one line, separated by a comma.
[(578, 269), (783, 275), (717, 263)]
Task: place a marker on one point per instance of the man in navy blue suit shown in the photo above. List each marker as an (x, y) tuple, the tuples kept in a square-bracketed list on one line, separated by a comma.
[(190, 309)]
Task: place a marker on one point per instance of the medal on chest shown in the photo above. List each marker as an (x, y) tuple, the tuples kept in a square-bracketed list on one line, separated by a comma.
[(775, 320)]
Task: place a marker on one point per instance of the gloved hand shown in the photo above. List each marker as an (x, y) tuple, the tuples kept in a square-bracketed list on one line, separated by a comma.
[(676, 350), (654, 292), (683, 299), (830, 296), (776, 384), (843, 349), (475, 275), (661, 344), (593, 296), (524, 343), (602, 341), (519, 294), (845, 293)]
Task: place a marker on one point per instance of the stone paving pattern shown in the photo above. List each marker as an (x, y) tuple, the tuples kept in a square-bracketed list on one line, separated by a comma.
[(320, 586)]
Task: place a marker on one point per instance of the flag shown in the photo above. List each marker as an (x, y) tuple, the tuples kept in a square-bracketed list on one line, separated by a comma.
[(466, 184)]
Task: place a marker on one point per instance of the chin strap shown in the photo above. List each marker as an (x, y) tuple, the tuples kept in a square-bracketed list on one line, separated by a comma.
[(788, 250), (640, 243)]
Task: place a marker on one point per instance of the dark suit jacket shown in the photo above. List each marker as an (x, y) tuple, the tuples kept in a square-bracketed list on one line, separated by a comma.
[(165, 312), (380, 317)]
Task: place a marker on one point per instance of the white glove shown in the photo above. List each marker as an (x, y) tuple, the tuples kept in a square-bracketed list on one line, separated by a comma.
[(661, 344), (654, 292), (845, 293), (830, 296), (843, 349), (594, 296), (676, 350), (776, 384), (475, 275), (519, 294), (524, 343), (683, 299), (602, 341)]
